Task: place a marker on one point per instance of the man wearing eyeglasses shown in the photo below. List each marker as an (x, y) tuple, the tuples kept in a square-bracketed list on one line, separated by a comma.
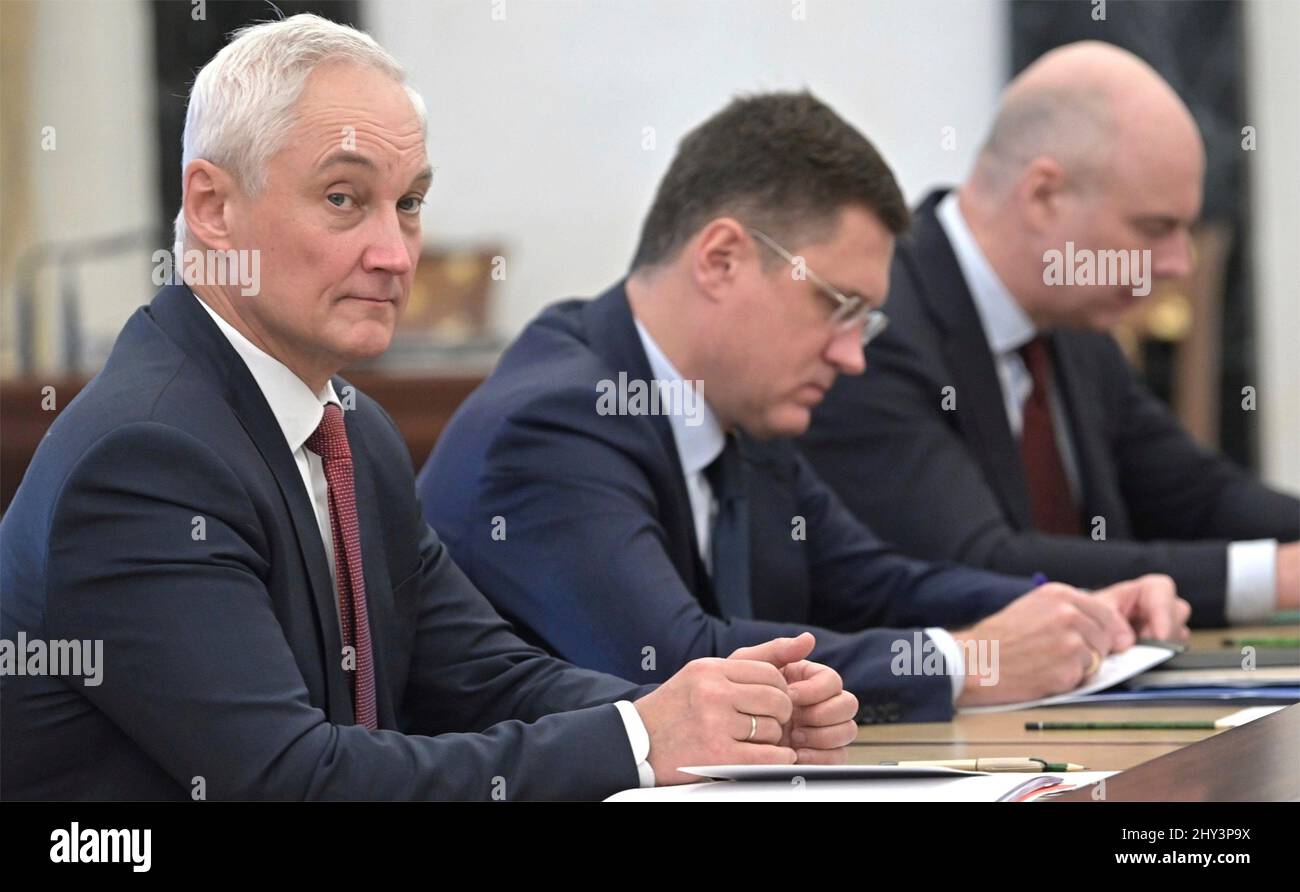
[(623, 490)]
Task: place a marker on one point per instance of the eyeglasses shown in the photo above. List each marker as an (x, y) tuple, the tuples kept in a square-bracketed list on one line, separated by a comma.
[(850, 310)]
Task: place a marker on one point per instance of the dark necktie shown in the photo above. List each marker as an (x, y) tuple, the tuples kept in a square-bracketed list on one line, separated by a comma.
[(1053, 506), (330, 442), (730, 538)]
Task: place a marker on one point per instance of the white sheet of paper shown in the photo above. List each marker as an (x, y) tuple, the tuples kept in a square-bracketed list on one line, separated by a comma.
[(1242, 716), (972, 788), (1113, 670), (821, 772)]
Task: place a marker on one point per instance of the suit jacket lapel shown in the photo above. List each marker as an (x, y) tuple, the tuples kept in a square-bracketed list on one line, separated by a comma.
[(981, 411), (177, 311), (612, 334)]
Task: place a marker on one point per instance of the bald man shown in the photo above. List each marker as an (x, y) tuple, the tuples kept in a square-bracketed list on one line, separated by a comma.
[(999, 424)]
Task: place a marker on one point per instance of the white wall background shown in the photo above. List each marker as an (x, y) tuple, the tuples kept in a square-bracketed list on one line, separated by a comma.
[(536, 120), (92, 80), (1274, 107)]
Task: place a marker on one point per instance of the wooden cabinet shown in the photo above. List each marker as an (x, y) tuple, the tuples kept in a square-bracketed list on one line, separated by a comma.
[(421, 404)]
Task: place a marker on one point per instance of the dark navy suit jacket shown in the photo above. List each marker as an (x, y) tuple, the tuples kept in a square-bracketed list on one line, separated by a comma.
[(950, 484), (222, 656), (599, 560)]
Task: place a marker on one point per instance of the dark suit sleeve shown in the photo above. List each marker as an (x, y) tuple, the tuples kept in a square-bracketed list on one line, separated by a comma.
[(456, 685), (584, 563), (883, 443), (858, 581), (198, 673)]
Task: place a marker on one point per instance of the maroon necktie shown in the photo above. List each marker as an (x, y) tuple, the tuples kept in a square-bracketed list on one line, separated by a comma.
[(1049, 490), (330, 442)]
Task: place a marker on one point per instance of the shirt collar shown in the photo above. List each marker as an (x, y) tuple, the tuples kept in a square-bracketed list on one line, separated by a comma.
[(697, 445), (294, 406), (1006, 325)]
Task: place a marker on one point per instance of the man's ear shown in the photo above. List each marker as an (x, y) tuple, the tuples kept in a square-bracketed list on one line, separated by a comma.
[(1038, 193), (209, 192), (718, 252)]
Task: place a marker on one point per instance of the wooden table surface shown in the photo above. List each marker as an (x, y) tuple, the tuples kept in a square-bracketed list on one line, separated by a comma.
[(1257, 762), (1004, 734)]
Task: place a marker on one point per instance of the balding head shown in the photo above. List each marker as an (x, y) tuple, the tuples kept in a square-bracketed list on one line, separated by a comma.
[(1089, 106), (1089, 146)]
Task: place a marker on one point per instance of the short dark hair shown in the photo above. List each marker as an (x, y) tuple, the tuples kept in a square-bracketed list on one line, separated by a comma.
[(784, 163)]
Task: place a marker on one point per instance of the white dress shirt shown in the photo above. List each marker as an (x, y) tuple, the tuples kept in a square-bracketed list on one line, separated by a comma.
[(1252, 565), (299, 412), (698, 445)]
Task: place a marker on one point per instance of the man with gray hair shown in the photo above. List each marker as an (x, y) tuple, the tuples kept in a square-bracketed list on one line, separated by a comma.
[(999, 424), (238, 526)]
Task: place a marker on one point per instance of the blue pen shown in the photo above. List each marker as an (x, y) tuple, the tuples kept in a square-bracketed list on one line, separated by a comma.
[(1040, 578)]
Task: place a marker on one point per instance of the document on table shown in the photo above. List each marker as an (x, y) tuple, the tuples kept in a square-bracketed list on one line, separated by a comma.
[(821, 772), (967, 787), (1116, 668), (1264, 676)]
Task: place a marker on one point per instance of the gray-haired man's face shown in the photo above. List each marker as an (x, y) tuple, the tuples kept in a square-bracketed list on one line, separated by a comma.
[(338, 222)]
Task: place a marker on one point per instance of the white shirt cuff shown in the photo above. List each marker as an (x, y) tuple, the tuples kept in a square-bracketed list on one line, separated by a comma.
[(952, 656), (1252, 581), (639, 738)]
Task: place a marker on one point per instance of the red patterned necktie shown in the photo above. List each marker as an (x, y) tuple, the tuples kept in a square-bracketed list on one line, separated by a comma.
[(1049, 490), (330, 442)]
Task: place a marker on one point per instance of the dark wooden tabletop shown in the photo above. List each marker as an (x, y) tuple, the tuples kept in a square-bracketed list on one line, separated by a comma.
[(1256, 762)]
